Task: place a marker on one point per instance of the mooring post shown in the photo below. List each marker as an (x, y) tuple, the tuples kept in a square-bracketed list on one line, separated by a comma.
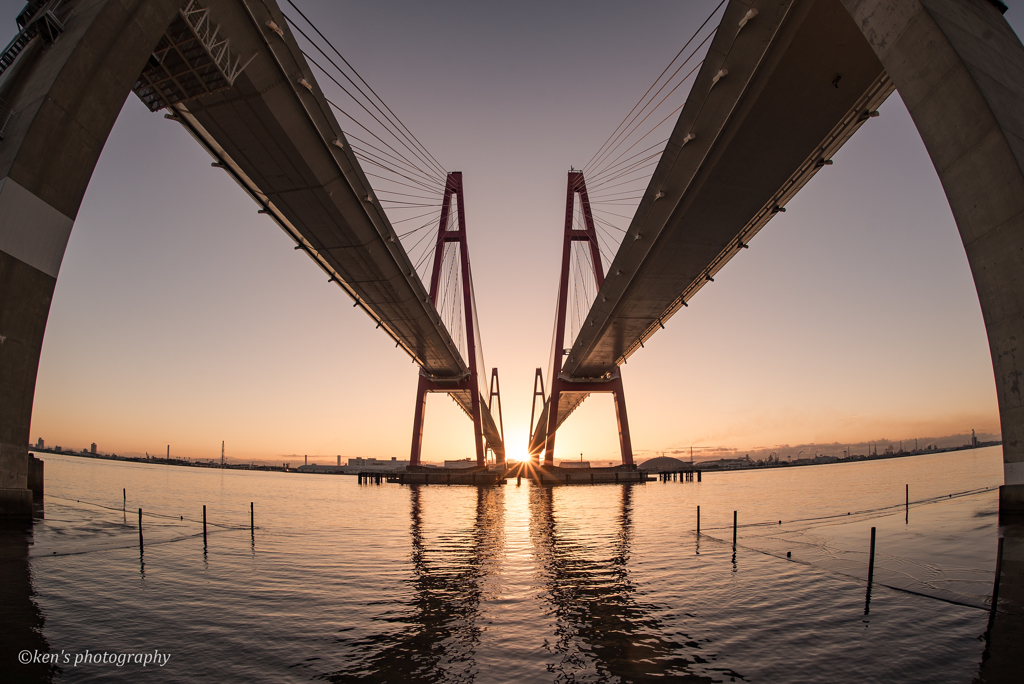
[(698, 521), (907, 517), (734, 530), (204, 524), (871, 559), (140, 528), (252, 518), (124, 500), (698, 476)]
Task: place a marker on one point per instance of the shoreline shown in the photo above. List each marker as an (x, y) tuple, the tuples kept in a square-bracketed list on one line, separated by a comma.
[(856, 458), (716, 468)]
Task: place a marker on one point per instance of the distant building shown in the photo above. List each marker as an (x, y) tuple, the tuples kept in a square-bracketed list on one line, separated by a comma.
[(729, 463), (461, 463), (40, 444), (355, 465), (665, 464), (376, 462), (92, 448), (314, 468)]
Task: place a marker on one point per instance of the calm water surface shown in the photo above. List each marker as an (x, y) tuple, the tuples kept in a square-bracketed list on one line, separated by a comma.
[(390, 583)]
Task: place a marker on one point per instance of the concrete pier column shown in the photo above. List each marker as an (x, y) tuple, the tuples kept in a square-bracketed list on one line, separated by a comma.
[(65, 98), (1001, 661), (959, 68)]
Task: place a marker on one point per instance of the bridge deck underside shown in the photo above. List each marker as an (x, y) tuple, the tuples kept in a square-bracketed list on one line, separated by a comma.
[(760, 135), (276, 137), (492, 435), (567, 403)]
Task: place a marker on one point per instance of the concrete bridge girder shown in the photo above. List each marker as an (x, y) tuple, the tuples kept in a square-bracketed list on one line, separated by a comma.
[(763, 130)]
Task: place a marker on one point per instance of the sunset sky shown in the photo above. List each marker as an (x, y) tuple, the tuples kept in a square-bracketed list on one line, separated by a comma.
[(182, 317)]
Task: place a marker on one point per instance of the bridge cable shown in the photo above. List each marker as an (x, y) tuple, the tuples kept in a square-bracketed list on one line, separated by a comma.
[(618, 173), (627, 163), (399, 166), (648, 115), (428, 173), (437, 164), (639, 102)]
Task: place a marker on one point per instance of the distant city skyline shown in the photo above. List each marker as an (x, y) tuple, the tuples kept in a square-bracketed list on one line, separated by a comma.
[(700, 452), (182, 317)]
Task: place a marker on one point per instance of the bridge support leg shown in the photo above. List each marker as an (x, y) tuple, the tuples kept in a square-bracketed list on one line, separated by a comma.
[(478, 432), (625, 445), (494, 399), (552, 426), (417, 422), (538, 382)]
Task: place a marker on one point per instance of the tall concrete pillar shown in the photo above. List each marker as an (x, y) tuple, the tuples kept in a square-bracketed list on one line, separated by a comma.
[(64, 99), (959, 68)]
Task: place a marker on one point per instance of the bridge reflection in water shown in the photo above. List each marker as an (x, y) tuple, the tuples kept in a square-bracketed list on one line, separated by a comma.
[(488, 584), (601, 624), (436, 637), (601, 627)]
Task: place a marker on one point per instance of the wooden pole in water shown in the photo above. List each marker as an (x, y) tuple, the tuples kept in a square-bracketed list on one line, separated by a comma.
[(907, 520), (140, 528), (871, 559), (698, 521), (734, 529), (204, 524), (252, 518), (124, 500)]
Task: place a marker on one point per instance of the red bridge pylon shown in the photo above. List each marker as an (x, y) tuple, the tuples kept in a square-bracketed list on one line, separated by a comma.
[(568, 393), (469, 391)]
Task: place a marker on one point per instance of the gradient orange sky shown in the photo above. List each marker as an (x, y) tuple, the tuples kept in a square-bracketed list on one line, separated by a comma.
[(182, 317)]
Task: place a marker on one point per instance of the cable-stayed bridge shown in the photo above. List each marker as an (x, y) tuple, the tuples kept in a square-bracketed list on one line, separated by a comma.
[(233, 73), (769, 92), (777, 88)]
